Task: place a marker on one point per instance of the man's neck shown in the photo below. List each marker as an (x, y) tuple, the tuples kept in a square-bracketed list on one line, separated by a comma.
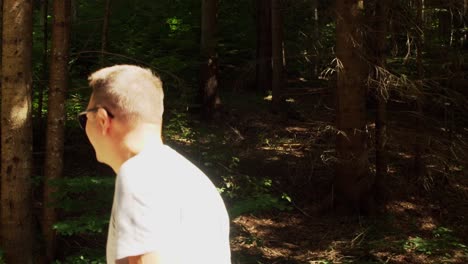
[(134, 141)]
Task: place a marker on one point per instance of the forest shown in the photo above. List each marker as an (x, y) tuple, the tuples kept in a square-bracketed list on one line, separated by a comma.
[(335, 131)]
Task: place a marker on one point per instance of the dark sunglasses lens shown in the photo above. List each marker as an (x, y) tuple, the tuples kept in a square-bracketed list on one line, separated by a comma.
[(82, 119)]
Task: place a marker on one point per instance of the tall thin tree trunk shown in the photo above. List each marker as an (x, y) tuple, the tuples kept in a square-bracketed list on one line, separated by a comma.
[(56, 118), (352, 184), (105, 31), (263, 65), (1, 33), (378, 10), (457, 17), (452, 27), (1, 85), (209, 67), (419, 166), (16, 121), (423, 12), (277, 53), (465, 23), (377, 16), (42, 85), (458, 23), (314, 55)]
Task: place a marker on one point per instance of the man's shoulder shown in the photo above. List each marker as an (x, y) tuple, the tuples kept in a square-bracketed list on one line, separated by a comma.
[(159, 162), (171, 159)]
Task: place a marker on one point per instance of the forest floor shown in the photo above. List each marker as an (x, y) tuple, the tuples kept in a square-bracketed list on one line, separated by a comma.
[(276, 174), (279, 170)]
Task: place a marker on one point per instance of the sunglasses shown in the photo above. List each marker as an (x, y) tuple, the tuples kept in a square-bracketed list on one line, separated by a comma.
[(83, 118)]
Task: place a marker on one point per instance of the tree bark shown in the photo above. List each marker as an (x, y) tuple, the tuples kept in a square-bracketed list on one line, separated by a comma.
[(352, 184), (377, 23), (1, 33), (16, 114), (314, 55), (277, 53), (419, 166), (263, 65), (40, 98), (55, 119), (465, 23), (209, 68), (1, 85), (105, 31)]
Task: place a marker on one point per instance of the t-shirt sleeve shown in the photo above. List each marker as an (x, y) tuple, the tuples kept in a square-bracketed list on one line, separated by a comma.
[(146, 217)]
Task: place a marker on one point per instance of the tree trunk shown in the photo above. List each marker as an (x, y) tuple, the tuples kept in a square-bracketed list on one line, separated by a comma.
[(17, 234), (1, 33), (277, 53), (1, 85), (263, 65), (42, 85), (377, 23), (456, 24), (444, 27), (105, 31), (314, 55), (209, 67), (74, 11), (56, 118), (419, 166), (352, 184), (465, 23)]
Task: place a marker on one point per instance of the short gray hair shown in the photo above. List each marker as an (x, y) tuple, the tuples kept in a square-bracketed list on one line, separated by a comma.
[(129, 92)]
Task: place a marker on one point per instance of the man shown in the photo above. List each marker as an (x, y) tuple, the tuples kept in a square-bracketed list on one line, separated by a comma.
[(165, 210)]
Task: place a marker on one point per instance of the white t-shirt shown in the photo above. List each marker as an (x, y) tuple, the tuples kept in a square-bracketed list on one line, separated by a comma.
[(164, 204)]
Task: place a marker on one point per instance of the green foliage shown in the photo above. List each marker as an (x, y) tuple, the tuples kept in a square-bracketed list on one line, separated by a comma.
[(420, 245), (177, 26), (83, 259), (178, 128), (74, 105), (321, 262), (236, 31), (443, 243), (82, 225), (84, 184), (258, 203), (83, 217), (170, 63), (249, 194), (303, 42), (73, 193)]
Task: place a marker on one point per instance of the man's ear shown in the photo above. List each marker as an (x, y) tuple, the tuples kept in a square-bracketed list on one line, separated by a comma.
[(104, 121)]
